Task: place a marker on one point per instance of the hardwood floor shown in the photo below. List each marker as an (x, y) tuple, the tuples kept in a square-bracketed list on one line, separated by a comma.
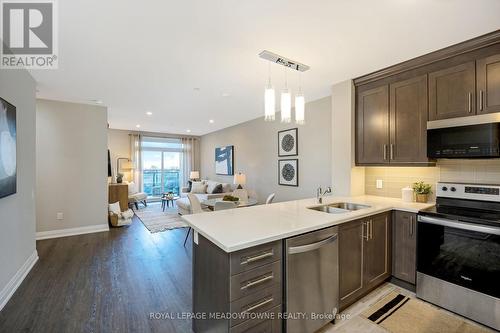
[(105, 282)]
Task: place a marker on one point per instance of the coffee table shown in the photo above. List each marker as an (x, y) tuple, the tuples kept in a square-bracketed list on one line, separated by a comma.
[(166, 201)]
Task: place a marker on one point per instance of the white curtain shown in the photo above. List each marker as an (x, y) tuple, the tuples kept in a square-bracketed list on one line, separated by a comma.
[(190, 157), (136, 156)]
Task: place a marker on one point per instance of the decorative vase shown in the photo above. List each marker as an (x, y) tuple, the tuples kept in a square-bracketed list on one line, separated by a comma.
[(422, 198)]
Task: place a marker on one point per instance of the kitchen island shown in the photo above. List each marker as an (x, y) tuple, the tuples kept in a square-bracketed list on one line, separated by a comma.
[(239, 257)]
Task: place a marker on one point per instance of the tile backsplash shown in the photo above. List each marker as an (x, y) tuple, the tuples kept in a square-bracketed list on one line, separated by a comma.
[(395, 178)]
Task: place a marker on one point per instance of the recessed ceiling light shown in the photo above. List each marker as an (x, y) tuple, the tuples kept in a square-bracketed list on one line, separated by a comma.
[(188, 130), (138, 126), (211, 121), (149, 113), (196, 89), (226, 94)]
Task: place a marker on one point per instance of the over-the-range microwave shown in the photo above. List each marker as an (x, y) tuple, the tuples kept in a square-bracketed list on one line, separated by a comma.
[(473, 140)]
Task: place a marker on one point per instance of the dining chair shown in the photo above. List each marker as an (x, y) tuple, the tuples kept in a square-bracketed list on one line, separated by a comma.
[(195, 208), (270, 198), (223, 205), (241, 194)]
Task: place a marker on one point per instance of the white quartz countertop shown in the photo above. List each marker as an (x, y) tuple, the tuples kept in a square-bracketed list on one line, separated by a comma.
[(237, 229)]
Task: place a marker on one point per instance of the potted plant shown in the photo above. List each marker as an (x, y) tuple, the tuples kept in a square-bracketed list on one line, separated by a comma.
[(422, 191)]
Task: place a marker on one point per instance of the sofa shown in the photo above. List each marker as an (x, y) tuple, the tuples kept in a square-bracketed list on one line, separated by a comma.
[(204, 190)]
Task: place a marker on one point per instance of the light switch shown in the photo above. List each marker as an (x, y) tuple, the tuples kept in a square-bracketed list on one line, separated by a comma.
[(60, 216), (380, 183)]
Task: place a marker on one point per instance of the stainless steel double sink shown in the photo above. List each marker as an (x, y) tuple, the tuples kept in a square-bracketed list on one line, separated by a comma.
[(339, 207)]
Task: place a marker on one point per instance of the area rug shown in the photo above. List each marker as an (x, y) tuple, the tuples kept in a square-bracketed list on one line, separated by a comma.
[(156, 220), (402, 314)]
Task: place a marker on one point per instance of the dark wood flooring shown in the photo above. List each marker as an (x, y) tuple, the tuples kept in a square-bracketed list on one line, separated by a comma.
[(105, 282)]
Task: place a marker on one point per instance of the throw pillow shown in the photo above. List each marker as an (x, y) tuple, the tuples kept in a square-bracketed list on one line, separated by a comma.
[(226, 188), (217, 189), (198, 187), (190, 185), (115, 208), (211, 186)]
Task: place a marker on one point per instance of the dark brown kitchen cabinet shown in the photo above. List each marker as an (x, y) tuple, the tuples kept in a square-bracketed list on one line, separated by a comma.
[(364, 256), (488, 84), (404, 244), (452, 92), (408, 120), (377, 256), (372, 126), (351, 244)]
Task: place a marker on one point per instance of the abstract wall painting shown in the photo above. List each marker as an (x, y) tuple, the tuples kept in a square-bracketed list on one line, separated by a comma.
[(224, 160), (8, 155)]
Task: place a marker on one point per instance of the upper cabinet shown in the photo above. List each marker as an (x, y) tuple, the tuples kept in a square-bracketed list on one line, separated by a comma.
[(488, 84), (372, 125), (408, 121), (393, 105), (452, 92), (391, 123)]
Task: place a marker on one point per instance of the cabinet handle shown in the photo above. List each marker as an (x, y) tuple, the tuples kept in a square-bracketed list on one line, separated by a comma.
[(370, 223), (264, 255), (392, 152), (470, 102), (363, 230), (385, 152), (411, 226), (258, 305), (481, 100), (256, 282)]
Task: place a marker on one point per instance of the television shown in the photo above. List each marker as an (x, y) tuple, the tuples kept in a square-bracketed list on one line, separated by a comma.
[(8, 145)]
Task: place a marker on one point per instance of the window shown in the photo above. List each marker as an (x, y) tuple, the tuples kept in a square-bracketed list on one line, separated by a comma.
[(161, 166)]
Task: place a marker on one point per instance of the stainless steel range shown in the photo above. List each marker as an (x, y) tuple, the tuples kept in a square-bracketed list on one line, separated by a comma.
[(458, 251)]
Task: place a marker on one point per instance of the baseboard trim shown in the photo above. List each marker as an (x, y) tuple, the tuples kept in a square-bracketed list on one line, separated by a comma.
[(71, 231), (14, 283)]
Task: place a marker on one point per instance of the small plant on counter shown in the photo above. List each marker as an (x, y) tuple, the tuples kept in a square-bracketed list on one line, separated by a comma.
[(422, 191), (230, 198)]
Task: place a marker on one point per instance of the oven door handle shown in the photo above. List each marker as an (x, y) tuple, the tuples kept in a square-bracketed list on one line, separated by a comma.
[(459, 225)]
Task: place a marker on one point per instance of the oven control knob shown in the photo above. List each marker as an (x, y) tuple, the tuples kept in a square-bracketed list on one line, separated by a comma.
[(444, 188), (453, 189)]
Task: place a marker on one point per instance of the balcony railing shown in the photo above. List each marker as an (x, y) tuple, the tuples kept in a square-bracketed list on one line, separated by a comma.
[(156, 181)]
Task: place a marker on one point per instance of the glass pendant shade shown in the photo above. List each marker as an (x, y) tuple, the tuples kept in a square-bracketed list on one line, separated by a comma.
[(286, 106), (269, 103), (300, 109)]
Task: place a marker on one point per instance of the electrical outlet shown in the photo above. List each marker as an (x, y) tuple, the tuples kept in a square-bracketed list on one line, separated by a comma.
[(60, 216), (379, 183)]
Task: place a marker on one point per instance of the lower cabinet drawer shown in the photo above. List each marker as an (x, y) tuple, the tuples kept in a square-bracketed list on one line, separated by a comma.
[(259, 302), (253, 257), (269, 322), (251, 281)]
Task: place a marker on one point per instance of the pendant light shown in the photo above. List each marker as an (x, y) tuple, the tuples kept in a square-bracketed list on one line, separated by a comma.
[(269, 99), (286, 103), (300, 105)]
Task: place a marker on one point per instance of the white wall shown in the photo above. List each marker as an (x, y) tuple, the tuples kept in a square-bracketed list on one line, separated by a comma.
[(347, 179), (71, 167), (256, 153), (17, 212)]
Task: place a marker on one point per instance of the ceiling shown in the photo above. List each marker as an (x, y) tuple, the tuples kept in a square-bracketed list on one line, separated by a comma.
[(194, 60)]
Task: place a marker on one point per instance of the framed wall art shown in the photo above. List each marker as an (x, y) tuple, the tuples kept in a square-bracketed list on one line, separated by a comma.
[(288, 172), (288, 142)]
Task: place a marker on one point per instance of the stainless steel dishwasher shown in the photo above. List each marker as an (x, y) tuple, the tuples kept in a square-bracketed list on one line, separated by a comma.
[(311, 281)]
